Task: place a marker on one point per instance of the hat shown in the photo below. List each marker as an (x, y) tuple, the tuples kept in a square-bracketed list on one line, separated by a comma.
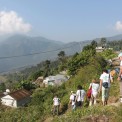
[(72, 91), (120, 55)]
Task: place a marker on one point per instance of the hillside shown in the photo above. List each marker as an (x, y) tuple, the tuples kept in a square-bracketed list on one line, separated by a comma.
[(82, 67)]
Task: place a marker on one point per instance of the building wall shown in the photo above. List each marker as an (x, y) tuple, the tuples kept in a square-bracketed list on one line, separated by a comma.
[(9, 101), (23, 101)]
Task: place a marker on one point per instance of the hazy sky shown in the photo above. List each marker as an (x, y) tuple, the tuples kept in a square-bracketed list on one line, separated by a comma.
[(62, 20)]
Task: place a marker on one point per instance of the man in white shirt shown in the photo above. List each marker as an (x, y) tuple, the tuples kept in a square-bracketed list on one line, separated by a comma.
[(120, 72), (72, 100), (105, 79), (56, 104), (120, 76), (80, 95)]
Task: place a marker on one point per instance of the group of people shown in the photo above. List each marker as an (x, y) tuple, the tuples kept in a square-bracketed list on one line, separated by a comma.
[(77, 99), (102, 86)]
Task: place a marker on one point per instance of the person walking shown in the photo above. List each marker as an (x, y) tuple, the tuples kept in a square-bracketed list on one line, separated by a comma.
[(72, 100), (80, 95), (120, 72), (94, 92), (120, 76), (105, 80), (56, 104)]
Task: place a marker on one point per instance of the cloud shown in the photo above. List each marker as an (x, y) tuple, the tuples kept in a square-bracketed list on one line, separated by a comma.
[(11, 23), (118, 26)]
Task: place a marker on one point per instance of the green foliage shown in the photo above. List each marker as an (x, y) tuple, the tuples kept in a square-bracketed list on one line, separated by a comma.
[(42, 98), (94, 43), (26, 85), (35, 75), (82, 67), (2, 87), (86, 114), (81, 59), (108, 54), (116, 45), (103, 42)]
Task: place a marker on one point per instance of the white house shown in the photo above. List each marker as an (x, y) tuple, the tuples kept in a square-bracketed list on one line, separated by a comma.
[(16, 98), (100, 49), (55, 80)]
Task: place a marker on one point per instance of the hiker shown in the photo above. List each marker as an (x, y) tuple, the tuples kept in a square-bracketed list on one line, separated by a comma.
[(112, 73), (72, 100), (105, 80), (80, 95), (94, 86), (120, 76), (56, 104), (120, 72)]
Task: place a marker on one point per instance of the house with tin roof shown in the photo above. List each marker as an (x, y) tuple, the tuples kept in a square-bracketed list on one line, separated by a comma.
[(17, 98)]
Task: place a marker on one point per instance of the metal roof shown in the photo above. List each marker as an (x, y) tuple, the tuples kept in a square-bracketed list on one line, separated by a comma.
[(20, 94)]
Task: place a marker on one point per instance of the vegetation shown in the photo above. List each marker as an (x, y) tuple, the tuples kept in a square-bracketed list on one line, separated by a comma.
[(82, 67)]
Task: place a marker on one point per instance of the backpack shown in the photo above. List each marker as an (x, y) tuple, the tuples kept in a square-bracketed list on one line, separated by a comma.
[(105, 84), (74, 97), (89, 92)]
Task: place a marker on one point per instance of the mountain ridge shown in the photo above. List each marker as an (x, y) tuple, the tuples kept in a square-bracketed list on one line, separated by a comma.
[(19, 45)]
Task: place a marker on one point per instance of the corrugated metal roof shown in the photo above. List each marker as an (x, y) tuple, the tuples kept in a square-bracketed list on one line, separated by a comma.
[(20, 94)]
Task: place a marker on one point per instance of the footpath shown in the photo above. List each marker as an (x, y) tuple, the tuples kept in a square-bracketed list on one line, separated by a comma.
[(120, 91)]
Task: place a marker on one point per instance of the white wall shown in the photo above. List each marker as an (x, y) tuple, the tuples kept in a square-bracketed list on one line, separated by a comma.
[(8, 101)]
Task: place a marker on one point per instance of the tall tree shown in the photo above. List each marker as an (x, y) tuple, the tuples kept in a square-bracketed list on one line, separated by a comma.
[(47, 68), (62, 59), (94, 43), (61, 55), (103, 42)]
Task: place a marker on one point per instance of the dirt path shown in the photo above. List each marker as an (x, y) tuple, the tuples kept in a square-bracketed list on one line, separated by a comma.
[(49, 119), (121, 89)]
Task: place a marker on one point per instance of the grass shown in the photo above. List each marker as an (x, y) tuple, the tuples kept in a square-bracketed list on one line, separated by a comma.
[(110, 112)]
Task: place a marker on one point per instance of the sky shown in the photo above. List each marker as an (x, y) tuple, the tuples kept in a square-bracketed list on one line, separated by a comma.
[(62, 20)]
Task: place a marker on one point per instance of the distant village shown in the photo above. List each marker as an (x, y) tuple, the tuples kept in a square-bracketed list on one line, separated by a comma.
[(22, 97)]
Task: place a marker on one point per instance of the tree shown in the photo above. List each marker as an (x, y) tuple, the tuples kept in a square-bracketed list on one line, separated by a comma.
[(47, 70), (61, 54), (47, 64), (26, 85), (2, 87), (94, 43), (80, 60), (62, 59), (35, 75), (103, 42)]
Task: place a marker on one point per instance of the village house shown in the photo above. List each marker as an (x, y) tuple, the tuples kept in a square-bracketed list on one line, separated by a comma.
[(17, 98), (55, 80), (39, 81), (100, 49)]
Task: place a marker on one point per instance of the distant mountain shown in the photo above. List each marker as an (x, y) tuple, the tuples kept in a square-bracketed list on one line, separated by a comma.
[(112, 38), (17, 50)]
